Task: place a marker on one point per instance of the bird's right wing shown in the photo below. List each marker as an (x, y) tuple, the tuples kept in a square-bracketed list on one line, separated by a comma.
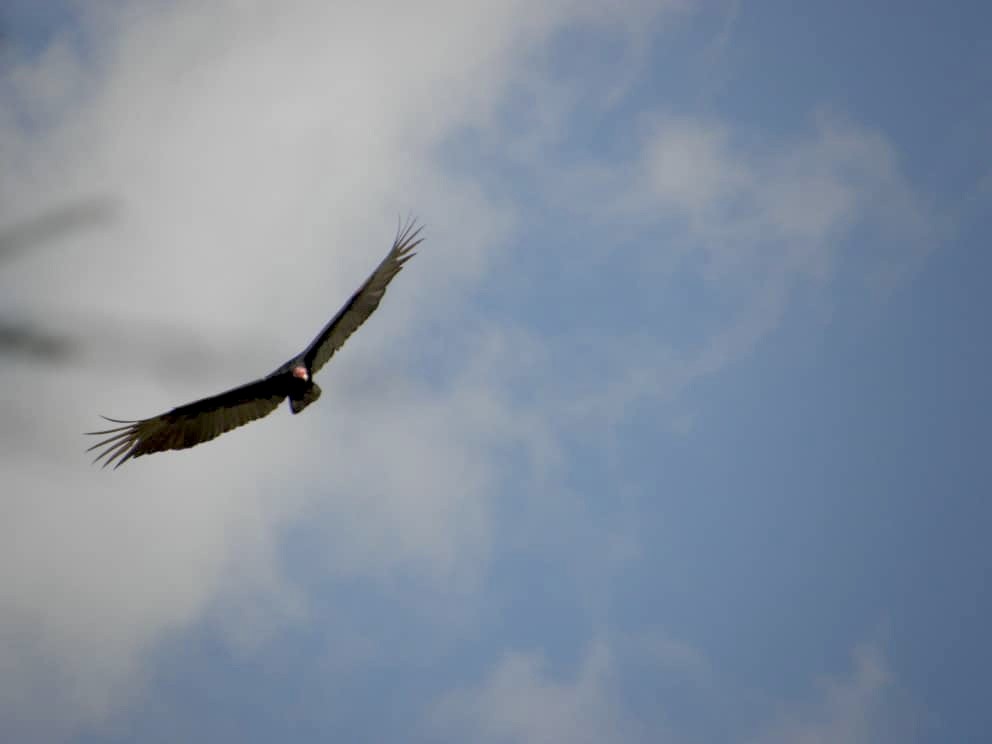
[(190, 424), (364, 302)]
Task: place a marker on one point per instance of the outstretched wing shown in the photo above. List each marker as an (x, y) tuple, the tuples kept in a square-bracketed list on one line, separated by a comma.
[(190, 424), (364, 302)]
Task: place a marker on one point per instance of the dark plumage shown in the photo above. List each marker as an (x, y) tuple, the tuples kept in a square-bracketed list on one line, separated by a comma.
[(202, 420)]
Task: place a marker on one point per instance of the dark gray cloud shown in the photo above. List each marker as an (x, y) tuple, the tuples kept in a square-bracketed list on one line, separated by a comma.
[(54, 224), (24, 338)]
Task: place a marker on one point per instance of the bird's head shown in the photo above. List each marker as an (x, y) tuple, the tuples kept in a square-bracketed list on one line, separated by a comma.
[(301, 373)]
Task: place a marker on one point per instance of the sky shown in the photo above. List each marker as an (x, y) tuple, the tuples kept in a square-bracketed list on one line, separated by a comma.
[(675, 430)]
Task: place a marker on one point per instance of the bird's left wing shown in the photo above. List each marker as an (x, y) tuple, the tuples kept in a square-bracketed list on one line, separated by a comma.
[(190, 424), (364, 302)]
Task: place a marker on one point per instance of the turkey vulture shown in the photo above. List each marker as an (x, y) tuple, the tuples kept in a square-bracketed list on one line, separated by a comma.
[(201, 421)]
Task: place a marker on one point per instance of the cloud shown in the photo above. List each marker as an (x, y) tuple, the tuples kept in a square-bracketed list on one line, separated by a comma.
[(853, 710), (520, 702), (52, 225), (259, 156), (765, 208), (749, 225), (607, 698)]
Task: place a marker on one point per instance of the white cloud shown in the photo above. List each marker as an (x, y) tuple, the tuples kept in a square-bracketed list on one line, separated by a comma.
[(757, 223), (690, 166), (258, 156), (520, 701), (846, 711), (764, 208)]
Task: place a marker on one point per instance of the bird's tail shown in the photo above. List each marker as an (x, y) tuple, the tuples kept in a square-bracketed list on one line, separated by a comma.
[(298, 404)]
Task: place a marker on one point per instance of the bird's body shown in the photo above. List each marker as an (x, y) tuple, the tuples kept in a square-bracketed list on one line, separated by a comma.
[(205, 419)]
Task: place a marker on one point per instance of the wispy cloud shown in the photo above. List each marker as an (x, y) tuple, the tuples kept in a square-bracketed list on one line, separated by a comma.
[(38, 230), (753, 224), (850, 710), (521, 700), (261, 156)]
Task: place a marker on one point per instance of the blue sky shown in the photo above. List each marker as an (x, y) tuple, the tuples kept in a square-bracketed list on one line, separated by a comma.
[(673, 432)]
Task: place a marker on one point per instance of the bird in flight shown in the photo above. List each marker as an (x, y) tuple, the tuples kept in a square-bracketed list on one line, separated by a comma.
[(202, 420)]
